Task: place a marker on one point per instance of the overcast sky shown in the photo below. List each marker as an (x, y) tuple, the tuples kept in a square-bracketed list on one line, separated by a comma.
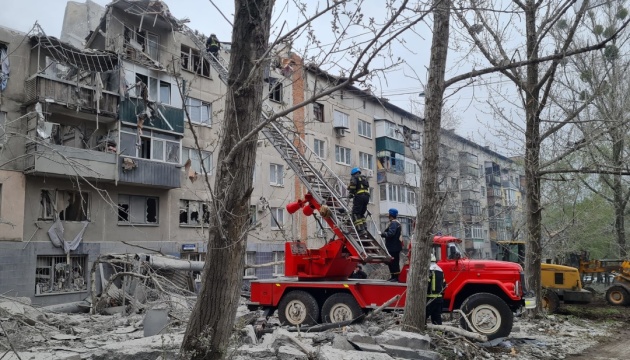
[(397, 86)]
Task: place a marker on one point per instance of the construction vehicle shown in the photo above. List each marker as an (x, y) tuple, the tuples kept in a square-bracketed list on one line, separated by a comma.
[(559, 282), (316, 286), (619, 292)]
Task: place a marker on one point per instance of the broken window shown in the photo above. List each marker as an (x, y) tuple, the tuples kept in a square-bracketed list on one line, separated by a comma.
[(133, 209), (275, 90), (192, 61), (142, 41), (192, 212), (67, 205), (53, 274)]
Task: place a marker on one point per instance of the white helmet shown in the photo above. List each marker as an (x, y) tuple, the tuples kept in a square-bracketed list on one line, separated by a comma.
[(433, 259)]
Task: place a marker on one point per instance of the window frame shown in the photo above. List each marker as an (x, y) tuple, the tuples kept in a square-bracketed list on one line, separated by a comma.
[(250, 258), (342, 120), (153, 136), (319, 150), (77, 261), (347, 155), (190, 107), (276, 222), (318, 112), (396, 193), (186, 61), (128, 222), (203, 216), (52, 212), (278, 269), (370, 160), (276, 90), (206, 156), (277, 171), (365, 130)]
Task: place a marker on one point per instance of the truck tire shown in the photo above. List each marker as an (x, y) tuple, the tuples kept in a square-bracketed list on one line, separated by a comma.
[(488, 315), (550, 301), (340, 307), (617, 295), (298, 308)]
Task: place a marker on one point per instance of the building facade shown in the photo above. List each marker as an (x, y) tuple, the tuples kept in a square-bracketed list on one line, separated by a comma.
[(109, 144)]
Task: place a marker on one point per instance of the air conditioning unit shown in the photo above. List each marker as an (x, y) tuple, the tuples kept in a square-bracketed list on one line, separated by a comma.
[(368, 172), (340, 132)]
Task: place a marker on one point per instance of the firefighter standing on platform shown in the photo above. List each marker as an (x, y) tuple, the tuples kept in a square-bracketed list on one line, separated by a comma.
[(434, 292), (359, 191)]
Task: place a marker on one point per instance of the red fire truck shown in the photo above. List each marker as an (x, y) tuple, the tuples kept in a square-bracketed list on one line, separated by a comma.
[(316, 287)]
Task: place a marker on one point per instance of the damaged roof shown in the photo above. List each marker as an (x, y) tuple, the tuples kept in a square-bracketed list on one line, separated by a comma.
[(153, 10)]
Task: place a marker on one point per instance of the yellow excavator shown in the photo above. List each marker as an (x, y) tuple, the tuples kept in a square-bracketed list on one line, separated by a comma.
[(559, 282), (619, 291)]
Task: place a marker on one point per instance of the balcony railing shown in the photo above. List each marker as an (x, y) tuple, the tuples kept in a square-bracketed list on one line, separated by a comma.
[(164, 117), (82, 97), (49, 159), (149, 173)]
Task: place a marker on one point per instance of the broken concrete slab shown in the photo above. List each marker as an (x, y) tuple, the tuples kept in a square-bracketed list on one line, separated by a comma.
[(248, 335), (155, 321), (328, 353), (143, 348), (341, 342), (256, 352), (369, 347), (404, 339), (286, 352), (11, 308), (361, 338), (407, 353)]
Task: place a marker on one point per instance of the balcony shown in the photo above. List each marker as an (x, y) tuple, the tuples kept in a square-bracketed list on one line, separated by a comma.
[(68, 95), (468, 159), (164, 118), (135, 171), (450, 217), (59, 160), (389, 145)]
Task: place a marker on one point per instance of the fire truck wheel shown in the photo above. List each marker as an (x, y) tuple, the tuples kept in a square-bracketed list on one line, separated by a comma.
[(488, 315), (550, 301), (617, 295), (340, 307), (298, 308)]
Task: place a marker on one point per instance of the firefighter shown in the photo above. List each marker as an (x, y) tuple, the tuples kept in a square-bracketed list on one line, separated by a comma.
[(393, 244), (434, 292), (358, 273), (359, 191), (213, 45)]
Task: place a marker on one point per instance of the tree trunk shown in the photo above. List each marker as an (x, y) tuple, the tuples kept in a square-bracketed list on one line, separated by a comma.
[(619, 198), (415, 307), (532, 158), (211, 322)]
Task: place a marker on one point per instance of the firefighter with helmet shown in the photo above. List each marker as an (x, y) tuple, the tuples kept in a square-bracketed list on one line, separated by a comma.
[(359, 191), (434, 292)]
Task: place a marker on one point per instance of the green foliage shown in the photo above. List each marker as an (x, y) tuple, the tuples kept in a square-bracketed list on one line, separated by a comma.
[(562, 24), (622, 13), (610, 31), (586, 76), (598, 30), (611, 52)]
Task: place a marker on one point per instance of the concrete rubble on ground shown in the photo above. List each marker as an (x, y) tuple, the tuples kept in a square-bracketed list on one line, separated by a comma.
[(142, 304)]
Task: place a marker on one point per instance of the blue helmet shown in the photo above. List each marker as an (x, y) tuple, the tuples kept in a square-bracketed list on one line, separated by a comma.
[(393, 212), (355, 170)]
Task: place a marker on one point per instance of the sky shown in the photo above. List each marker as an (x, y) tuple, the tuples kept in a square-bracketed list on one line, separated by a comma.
[(398, 85)]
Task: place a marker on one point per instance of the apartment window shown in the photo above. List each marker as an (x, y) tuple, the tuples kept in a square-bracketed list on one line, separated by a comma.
[(392, 131), (54, 275), (192, 61), (145, 41), (277, 218), (318, 111), (275, 90), (411, 168), (153, 145), (411, 196), (66, 205), (366, 161), (196, 160), (396, 193), (383, 190), (343, 155), (474, 232), (250, 259), (278, 269), (133, 209), (365, 129), (165, 92), (193, 212), (319, 147), (340, 120), (200, 112), (276, 174)]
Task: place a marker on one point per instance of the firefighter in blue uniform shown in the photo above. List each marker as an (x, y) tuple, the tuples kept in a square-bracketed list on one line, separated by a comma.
[(359, 191)]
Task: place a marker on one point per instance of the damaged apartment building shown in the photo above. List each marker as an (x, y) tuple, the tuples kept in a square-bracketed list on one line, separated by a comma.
[(98, 156)]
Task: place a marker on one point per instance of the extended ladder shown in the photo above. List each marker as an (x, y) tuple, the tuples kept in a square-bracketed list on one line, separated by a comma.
[(322, 183)]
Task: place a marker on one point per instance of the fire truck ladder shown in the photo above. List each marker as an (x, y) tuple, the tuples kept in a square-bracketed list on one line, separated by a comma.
[(322, 183)]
